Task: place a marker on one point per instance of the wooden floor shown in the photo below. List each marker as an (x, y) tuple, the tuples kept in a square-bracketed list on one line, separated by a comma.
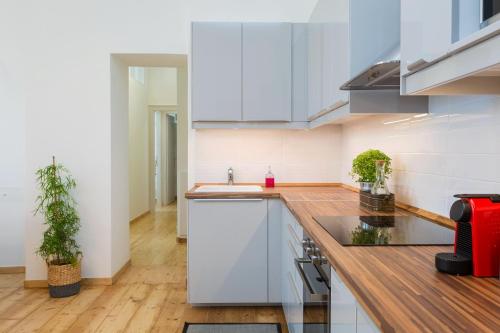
[(149, 297)]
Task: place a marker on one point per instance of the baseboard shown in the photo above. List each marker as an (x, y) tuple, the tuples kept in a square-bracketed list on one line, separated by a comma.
[(120, 272), (439, 219), (106, 281), (35, 284), (181, 240), (12, 270), (137, 218)]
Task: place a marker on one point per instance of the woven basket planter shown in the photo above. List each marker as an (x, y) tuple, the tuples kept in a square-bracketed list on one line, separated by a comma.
[(64, 280)]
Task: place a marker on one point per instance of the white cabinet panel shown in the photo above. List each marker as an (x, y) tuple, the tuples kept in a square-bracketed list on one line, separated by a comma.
[(227, 251), (374, 30), (274, 207), (426, 30), (314, 68), (343, 306), (299, 72), (335, 63), (267, 71), (216, 71)]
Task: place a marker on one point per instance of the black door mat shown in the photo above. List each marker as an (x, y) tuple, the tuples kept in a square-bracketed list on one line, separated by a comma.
[(231, 328)]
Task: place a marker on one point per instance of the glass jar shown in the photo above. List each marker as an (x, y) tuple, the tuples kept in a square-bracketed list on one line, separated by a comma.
[(380, 186)]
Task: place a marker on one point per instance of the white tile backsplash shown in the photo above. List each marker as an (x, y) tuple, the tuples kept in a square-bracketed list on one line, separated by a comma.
[(454, 149), (294, 155)]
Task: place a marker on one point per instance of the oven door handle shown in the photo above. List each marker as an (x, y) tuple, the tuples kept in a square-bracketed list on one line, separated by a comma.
[(315, 297)]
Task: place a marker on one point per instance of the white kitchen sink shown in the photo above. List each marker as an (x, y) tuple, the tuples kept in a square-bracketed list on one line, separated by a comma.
[(229, 188)]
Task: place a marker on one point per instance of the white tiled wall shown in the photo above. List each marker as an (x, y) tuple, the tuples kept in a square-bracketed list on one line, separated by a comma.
[(294, 155), (455, 149)]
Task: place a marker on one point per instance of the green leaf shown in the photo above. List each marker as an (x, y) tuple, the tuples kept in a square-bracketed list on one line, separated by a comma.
[(363, 166)]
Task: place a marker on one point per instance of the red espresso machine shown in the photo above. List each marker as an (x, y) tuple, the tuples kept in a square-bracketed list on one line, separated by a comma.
[(477, 237)]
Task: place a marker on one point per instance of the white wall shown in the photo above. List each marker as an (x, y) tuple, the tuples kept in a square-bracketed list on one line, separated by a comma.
[(453, 150), (162, 86), (138, 138), (58, 54), (294, 155), (12, 150)]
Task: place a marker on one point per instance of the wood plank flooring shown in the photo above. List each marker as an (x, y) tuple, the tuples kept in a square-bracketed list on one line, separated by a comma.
[(149, 297)]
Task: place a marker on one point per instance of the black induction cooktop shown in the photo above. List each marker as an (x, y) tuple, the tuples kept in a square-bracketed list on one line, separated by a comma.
[(385, 230)]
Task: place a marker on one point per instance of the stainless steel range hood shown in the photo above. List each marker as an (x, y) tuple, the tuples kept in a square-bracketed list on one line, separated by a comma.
[(383, 75)]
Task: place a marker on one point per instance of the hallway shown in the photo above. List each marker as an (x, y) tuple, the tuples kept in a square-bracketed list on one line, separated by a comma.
[(149, 296)]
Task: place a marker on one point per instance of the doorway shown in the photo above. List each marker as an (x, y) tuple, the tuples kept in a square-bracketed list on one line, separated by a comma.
[(153, 140), (132, 143)]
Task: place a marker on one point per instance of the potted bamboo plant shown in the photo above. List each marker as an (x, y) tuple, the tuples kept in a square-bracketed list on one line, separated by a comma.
[(59, 248), (364, 168)]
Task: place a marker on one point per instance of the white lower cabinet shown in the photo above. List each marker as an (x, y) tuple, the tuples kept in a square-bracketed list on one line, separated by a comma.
[(227, 251), (347, 315), (274, 212), (363, 322), (343, 306)]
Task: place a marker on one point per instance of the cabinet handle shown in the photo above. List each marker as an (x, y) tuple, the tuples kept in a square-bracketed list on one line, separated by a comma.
[(314, 296), (227, 199), (338, 104), (414, 66), (294, 235), (294, 287)]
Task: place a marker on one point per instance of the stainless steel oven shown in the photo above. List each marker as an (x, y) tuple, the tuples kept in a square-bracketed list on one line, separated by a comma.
[(490, 12), (314, 270)]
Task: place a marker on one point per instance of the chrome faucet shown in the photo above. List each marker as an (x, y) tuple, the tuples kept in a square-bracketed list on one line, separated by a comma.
[(230, 176)]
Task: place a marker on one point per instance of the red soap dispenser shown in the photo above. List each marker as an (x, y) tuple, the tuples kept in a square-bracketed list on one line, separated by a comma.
[(269, 178)]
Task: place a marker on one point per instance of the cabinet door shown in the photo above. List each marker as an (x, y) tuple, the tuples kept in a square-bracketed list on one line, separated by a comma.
[(314, 68), (227, 251), (336, 61), (216, 71), (285, 267), (426, 30), (299, 72), (274, 207), (292, 283), (267, 72)]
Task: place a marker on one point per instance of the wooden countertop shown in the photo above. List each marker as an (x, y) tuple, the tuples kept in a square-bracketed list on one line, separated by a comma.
[(397, 286)]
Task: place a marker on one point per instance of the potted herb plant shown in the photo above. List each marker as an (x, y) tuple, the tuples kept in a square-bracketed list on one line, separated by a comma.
[(364, 169), (59, 248)]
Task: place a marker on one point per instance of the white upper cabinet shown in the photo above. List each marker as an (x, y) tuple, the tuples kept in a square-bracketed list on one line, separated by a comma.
[(216, 71), (336, 62), (425, 30), (299, 72), (328, 62), (314, 68), (267, 61), (346, 37), (446, 51)]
